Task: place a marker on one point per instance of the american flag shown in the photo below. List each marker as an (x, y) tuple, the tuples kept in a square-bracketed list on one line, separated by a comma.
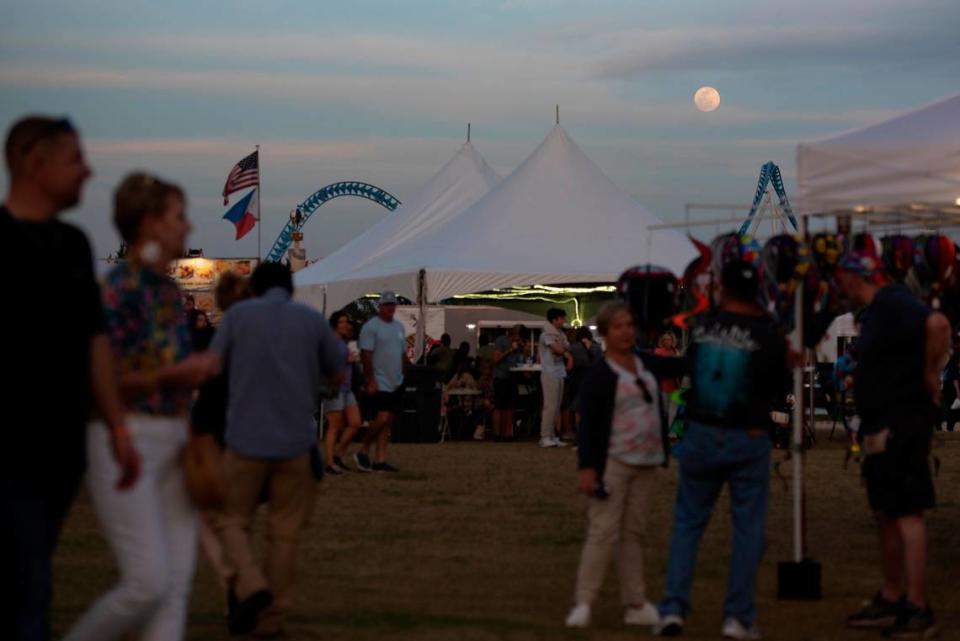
[(245, 173)]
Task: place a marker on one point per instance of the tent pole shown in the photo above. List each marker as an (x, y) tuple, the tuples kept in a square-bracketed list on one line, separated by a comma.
[(797, 449), (421, 338)]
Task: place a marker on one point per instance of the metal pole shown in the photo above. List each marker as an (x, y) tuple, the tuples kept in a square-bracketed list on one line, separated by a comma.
[(797, 449), (259, 204), (421, 338)]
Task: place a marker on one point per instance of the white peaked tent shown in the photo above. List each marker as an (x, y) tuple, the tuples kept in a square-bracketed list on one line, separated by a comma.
[(912, 158), (459, 183), (556, 219)]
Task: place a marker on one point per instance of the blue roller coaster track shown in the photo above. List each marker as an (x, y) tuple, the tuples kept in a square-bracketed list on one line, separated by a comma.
[(769, 173), (311, 204)]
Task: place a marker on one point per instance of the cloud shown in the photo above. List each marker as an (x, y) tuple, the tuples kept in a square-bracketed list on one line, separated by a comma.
[(640, 52), (218, 147), (483, 99)]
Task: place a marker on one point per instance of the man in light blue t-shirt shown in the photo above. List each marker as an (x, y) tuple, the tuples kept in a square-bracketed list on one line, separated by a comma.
[(383, 350)]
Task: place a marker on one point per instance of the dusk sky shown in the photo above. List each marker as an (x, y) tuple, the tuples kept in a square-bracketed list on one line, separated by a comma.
[(381, 91)]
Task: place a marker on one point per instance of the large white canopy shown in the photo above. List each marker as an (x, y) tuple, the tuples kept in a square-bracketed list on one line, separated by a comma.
[(556, 219), (912, 158), (459, 183)]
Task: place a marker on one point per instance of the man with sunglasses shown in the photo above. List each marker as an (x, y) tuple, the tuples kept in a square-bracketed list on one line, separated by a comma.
[(58, 361), (739, 371)]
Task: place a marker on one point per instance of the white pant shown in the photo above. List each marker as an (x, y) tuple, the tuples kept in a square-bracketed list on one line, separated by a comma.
[(152, 530), (552, 397)]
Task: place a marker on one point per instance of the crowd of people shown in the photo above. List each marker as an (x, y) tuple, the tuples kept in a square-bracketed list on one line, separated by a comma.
[(138, 378)]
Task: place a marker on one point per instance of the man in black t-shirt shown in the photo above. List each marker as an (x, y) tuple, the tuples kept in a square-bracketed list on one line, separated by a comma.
[(901, 351), (739, 372), (58, 361)]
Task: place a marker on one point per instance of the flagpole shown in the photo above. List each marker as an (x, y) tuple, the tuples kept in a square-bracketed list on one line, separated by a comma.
[(259, 204)]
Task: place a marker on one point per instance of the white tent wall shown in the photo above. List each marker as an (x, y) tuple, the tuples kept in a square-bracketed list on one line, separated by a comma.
[(458, 184), (556, 219), (912, 158)]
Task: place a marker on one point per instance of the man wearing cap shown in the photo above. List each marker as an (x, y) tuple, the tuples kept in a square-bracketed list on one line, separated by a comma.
[(902, 349), (739, 372), (383, 349)]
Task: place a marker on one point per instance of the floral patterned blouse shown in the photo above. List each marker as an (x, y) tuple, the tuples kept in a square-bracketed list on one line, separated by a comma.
[(147, 327), (635, 437)]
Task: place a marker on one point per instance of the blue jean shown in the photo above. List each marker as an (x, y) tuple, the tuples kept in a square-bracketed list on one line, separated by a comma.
[(32, 512), (713, 456)]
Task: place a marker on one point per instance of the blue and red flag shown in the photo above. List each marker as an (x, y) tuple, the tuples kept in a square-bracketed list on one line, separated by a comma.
[(241, 216)]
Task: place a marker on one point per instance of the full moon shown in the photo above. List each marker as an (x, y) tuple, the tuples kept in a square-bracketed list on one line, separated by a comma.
[(706, 99)]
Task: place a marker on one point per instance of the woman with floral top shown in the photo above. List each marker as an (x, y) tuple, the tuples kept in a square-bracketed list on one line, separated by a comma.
[(622, 441), (152, 527)]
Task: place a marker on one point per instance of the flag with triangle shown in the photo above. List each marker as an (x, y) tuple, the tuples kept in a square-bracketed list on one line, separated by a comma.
[(240, 215)]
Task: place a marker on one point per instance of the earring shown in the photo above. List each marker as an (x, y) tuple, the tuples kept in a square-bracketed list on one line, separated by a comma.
[(150, 252)]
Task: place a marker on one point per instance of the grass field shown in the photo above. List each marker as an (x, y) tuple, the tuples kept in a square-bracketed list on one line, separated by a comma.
[(481, 541)]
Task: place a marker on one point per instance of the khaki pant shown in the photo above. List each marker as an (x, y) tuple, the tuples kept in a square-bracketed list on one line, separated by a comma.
[(552, 396), (617, 523), (291, 488)]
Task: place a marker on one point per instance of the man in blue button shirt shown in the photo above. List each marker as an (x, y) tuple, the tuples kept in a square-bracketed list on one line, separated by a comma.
[(383, 350), (275, 353)]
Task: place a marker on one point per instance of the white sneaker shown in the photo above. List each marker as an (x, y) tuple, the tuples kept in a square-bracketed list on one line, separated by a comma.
[(559, 442), (479, 433), (733, 629), (670, 625), (647, 615), (579, 616), (548, 442)]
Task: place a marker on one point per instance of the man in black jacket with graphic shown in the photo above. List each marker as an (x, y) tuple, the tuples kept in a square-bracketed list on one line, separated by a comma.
[(739, 372)]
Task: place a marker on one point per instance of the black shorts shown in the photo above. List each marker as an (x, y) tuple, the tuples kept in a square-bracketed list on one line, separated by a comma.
[(504, 394), (387, 402), (898, 479)]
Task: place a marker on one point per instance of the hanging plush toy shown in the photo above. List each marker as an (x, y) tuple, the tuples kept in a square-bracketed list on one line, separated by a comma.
[(826, 250), (933, 265), (865, 244), (651, 292), (695, 287), (785, 263), (950, 298), (897, 257)]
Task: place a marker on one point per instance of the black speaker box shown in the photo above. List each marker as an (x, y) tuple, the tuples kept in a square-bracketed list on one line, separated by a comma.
[(419, 418), (799, 581)]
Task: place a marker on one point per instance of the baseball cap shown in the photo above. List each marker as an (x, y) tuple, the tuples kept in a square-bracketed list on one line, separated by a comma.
[(861, 264), (388, 298)]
